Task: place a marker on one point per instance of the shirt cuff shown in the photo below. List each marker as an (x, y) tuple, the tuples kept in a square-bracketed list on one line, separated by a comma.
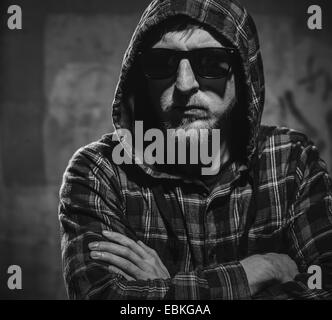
[(228, 282)]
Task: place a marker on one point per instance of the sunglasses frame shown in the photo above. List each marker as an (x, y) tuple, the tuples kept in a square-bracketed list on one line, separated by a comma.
[(187, 55)]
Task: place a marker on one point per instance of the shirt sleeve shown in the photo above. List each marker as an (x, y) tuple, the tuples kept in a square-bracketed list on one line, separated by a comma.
[(91, 201), (309, 228)]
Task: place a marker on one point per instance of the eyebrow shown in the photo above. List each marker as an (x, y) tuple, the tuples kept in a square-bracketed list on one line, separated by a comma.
[(169, 43), (174, 46)]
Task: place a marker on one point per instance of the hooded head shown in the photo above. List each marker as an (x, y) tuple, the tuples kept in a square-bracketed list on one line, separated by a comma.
[(229, 23)]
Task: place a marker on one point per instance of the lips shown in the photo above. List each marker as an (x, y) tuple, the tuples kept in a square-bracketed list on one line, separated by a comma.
[(190, 109), (178, 113)]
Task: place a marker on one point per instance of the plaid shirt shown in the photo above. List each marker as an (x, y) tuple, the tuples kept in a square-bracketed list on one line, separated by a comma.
[(294, 216)]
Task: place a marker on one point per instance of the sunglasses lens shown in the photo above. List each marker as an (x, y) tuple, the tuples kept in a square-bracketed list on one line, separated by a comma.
[(212, 63), (159, 63)]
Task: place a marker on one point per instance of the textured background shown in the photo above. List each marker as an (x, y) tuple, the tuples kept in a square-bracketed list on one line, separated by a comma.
[(58, 76)]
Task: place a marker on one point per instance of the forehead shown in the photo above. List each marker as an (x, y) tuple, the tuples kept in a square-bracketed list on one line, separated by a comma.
[(189, 39)]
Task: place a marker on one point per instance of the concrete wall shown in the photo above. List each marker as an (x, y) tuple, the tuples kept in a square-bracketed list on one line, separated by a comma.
[(58, 77)]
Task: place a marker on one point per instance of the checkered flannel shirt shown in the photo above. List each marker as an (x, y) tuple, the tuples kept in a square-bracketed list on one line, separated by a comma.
[(294, 216)]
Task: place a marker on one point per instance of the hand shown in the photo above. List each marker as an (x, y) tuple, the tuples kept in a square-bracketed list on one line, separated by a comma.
[(263, 269), (133, 260), (284, 267)]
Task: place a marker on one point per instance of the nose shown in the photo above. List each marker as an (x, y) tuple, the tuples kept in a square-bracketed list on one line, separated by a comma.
[(186, 82)]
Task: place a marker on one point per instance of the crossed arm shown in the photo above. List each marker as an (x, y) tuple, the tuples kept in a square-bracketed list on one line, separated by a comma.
[(130, 270), (136, 261), (133, 260)]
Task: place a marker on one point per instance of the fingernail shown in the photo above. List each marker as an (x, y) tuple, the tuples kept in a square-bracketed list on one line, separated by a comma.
[(107, 233), (93, 245), (95, 254)]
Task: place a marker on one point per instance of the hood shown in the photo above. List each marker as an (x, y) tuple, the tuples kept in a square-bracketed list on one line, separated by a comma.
[(228, 19)]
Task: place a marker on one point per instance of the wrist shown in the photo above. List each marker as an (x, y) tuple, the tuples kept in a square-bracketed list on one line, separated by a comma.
[(271, 267)]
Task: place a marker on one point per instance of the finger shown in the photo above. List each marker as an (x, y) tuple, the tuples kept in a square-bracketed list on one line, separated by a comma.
[(154, 254), (125, 241), (120, 251), (145, 247), (149, 250), (118, 271), (125, 265)]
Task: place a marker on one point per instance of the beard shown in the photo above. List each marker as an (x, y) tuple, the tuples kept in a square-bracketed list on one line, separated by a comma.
[(199, 123), (196, 129)]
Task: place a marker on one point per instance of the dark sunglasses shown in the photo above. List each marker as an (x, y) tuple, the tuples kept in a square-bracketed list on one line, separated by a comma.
[(208, 63)]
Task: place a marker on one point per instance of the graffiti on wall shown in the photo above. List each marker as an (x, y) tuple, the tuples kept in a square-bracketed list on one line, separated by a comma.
[(316, 81), (315, 77), (298, 72)]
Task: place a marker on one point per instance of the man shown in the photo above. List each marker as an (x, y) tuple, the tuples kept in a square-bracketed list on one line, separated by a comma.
[(250, 228)]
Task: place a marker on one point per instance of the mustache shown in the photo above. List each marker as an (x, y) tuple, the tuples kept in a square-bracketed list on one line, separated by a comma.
[(190, 106)]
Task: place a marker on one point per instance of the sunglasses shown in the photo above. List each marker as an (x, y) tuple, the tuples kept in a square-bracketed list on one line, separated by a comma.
[(208, 63)]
